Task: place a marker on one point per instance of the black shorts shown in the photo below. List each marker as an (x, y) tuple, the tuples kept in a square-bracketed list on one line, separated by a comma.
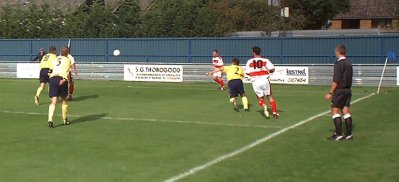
[(341, 98), (236, 87), (44, 78), (57, 90)]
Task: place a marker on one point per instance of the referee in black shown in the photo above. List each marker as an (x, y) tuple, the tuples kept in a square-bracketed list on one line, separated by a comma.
[(340, 95), (40, 55)]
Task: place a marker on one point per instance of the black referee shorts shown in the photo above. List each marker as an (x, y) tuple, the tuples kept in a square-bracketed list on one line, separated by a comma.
[(57, 90), (236, 87), (341, 98), (44, 78)]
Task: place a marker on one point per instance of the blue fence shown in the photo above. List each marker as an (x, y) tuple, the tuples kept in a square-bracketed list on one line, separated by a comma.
[(362, 50)]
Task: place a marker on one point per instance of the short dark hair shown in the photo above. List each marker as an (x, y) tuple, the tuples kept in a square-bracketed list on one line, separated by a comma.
[(236, 61), (256, 50), (217, 51), (52, 49), (341, 49)]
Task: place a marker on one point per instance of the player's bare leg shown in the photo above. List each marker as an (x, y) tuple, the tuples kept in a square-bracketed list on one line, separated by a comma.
[(348, 123), (51, 111), (262, 104), (65, 111), (273, 105), (38, 92), (336, 116), (234, 102)]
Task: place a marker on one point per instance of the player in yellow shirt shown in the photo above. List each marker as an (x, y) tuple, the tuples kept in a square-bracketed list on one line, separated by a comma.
[(59, 85), (235, 75), (45, 65)]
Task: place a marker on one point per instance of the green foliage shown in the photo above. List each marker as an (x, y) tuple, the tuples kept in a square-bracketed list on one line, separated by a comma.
[(317, 12), (165, 18)]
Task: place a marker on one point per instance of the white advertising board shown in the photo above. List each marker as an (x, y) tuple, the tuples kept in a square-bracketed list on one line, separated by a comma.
[(28, 70), (288, 75), (397, 76), (153, 73)]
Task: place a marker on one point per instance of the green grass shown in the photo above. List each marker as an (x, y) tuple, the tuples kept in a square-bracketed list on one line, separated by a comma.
[(126, 131)]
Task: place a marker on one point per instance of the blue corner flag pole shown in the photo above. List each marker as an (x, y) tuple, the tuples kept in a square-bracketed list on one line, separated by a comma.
[(391, 56)]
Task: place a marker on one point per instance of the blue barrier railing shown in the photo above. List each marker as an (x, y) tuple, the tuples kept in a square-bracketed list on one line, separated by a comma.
[(317, 50)]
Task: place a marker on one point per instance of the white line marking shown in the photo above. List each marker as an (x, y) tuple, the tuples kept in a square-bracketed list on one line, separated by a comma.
[(203, 89), (251, 145), (190, 88), (152, 120)]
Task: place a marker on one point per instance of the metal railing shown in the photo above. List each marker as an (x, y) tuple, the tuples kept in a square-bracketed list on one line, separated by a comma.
[(316, 50)]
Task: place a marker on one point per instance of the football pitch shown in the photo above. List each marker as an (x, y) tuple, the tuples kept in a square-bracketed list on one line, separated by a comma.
[(130, 131)]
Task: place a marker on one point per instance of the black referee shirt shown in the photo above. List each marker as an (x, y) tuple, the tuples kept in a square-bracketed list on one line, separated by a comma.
[(343, 73)]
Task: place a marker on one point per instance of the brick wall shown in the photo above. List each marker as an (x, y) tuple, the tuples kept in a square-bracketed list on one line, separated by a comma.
[(336, 24), (365, 24)]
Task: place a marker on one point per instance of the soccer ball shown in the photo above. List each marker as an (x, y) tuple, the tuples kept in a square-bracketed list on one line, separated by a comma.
[(117, 52)]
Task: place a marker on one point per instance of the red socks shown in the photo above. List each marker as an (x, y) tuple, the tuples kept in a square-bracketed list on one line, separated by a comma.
[(274, 106), (71, 88), (261, 102), (219, 81)]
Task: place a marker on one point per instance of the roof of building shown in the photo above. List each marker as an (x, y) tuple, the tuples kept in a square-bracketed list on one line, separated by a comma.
[(368, 9)]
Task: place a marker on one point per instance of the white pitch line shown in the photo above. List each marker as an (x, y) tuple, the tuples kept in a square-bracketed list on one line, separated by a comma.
[(207, 89), (152, 120), (251, 145)]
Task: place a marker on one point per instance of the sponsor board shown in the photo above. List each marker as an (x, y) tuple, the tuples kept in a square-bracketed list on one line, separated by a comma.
[(287, 75), (153, 73), (28, 70)]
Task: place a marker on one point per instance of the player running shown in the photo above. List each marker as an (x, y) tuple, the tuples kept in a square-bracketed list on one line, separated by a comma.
[(45, 65), (235, 75), (258, 69), (71, 81), (217, 72), (59, 85)]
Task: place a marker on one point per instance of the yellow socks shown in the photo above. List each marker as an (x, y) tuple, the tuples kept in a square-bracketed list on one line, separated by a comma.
[(51, 110), (64, 112), (245, 102), (39, 90), (233, 101)]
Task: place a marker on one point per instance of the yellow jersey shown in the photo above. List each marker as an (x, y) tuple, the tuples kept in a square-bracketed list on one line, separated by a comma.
[(61, 67), (234, 72), (47, 60)]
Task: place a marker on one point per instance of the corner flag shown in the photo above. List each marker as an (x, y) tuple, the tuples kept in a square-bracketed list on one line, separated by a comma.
[(390, 56)]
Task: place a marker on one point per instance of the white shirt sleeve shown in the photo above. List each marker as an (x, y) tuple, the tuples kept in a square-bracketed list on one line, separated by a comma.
[(247, 67), (269, 65), (72, 59)]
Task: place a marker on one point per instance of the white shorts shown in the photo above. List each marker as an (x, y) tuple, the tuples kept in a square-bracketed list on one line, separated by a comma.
[(262, 87), (218, 74)]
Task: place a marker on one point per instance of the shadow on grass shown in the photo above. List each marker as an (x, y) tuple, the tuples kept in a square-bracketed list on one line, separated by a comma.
[(82, 119), (82, 98), (262, 113), (88, 118)]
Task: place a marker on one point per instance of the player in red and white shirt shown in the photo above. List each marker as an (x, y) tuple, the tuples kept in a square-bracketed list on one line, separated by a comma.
[(259, 69), (71, 80), (217, 71)]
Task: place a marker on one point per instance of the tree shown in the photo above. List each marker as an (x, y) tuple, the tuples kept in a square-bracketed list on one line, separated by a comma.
[(317, 12), (172, 18), (92, 21), (12, 23), (238, 15), (128, 18)]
